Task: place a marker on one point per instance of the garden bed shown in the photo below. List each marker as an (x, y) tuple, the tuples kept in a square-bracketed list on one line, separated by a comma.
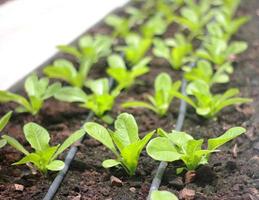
[(228, 176)]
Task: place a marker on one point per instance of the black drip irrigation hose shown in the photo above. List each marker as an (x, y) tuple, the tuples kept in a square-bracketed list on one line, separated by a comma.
[(55, 185), (179, 124)]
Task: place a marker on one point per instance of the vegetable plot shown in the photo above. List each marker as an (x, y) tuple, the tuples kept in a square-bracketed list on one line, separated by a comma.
[(113, 100)]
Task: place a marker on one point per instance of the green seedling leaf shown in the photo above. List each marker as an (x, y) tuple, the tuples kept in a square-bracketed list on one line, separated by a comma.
[(37, 136), (163, 195), (5, 119), (227, 136), (15, 144), (110, 163), (76, 136), (56, 165), (71, 94), (101, 134), (162, 149), (2, 143)]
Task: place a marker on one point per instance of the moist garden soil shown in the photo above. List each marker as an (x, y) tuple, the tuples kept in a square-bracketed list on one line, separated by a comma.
[(232, 173)]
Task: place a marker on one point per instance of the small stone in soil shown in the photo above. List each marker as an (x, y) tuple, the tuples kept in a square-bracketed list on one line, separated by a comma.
[(189, 176), (18, 187), (116, 181), (132, 189), (187, 194)]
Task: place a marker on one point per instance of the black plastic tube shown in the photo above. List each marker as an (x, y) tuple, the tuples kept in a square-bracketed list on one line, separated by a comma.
[(179, 124)]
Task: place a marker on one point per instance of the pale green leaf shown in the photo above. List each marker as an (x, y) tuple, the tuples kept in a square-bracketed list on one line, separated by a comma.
[(5, 119), (37, 136), (56, 165), (15, 144)]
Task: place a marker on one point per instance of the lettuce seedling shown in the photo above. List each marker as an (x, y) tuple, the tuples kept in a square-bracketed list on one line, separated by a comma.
[(195, 16), (136, 48), (218, 51), (126, 77), (204, 71), (121, 25), (38, 90), (208, 104), (137, 16), (225, 27), (91, 49), (3, 122), (167, 9), (176, 145), (161, 101), (176, 51), (125, 137), (66, 71), (155, 26), (100, 101), (163, 195), (44, 157)]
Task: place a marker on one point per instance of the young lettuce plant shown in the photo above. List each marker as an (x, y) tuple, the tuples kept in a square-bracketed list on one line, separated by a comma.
[(100, 101), (126, 77), (218, 51), (125, 137), (167, 9), (194, 16), (225, 27), (121, 25), (155, 26), (207, 104), (164, 94), (38, 90), (44, 157), (3, 122), (136, 48), (176, 145), (204, 71), (91, 49), (176, 51)]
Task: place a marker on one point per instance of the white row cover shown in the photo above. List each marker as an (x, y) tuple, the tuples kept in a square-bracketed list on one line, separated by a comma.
[(31, 29)]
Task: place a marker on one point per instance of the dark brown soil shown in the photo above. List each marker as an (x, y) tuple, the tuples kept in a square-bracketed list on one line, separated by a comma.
[(227, 177)]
